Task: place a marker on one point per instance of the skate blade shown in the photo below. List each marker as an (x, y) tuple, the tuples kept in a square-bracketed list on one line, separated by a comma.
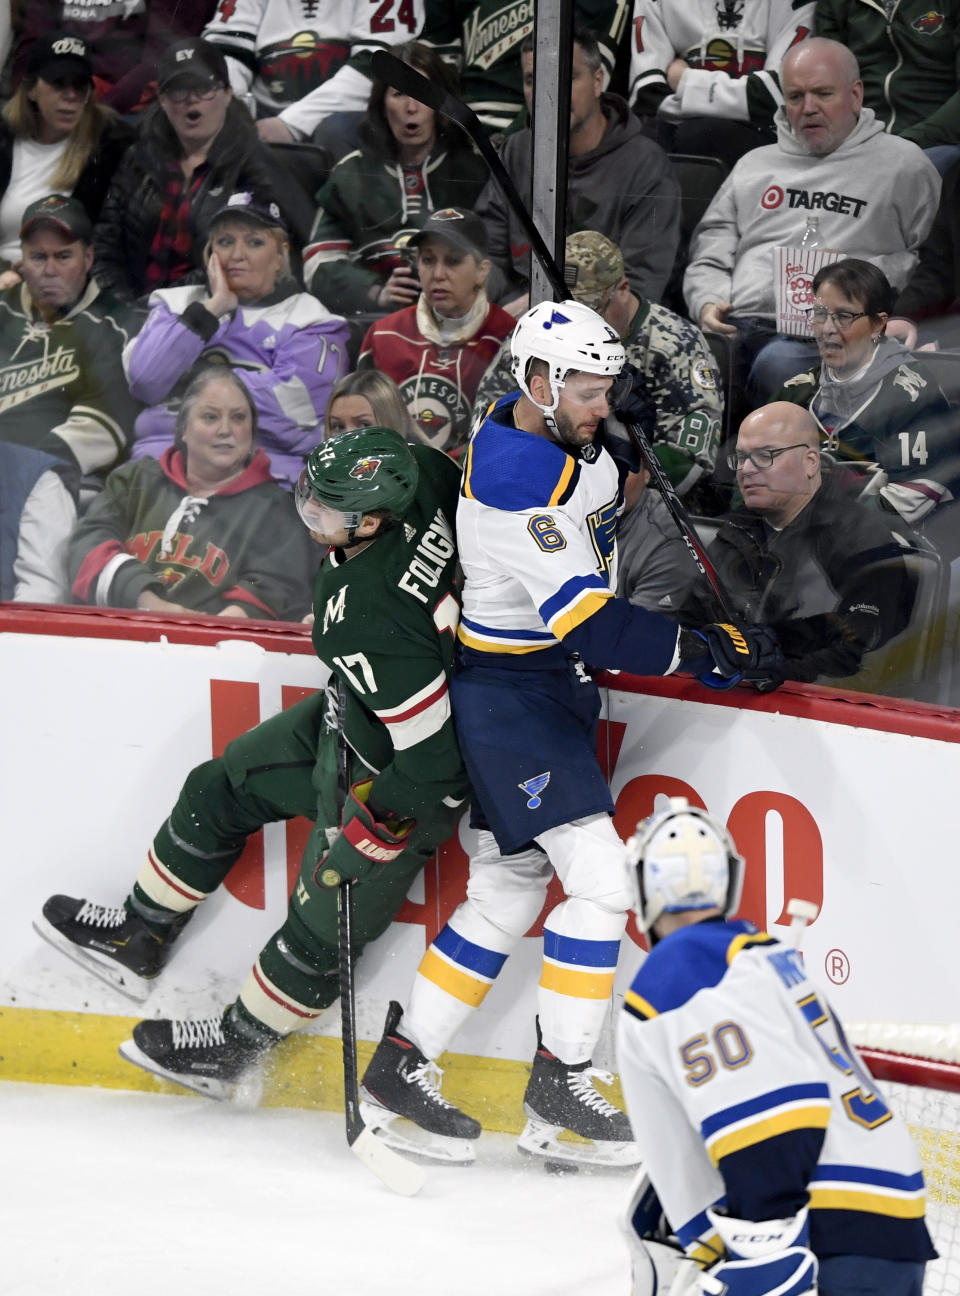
[(418, 1142), (541, 1140), (219, 1090), (101, 966)]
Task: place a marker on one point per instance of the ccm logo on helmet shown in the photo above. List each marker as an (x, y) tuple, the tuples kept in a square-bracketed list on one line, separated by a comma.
[(363, 469), (772, 198)]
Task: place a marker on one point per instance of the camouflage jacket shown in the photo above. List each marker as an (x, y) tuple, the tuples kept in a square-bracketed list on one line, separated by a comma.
[(672, 356)]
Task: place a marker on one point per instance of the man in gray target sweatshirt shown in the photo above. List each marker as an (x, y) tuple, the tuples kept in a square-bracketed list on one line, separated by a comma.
[(875, 195)]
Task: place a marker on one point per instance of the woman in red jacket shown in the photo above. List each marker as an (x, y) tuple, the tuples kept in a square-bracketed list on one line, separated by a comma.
[(438, 350)]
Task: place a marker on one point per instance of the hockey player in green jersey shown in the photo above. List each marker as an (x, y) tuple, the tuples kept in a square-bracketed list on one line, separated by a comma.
[(386, 608)]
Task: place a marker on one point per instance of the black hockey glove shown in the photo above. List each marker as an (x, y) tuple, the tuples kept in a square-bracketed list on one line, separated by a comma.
[(722, 654), (632, 402)]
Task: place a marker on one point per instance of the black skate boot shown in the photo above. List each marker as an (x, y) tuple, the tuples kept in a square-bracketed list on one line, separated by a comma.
[(110, 942), (400, 1081), (562, 1097), (207, 1054)]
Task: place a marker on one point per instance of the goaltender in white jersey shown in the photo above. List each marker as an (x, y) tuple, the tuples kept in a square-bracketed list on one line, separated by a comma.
[(762, 1133)]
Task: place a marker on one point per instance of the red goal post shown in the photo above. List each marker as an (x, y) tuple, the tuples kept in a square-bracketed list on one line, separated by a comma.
[(918, 1068)]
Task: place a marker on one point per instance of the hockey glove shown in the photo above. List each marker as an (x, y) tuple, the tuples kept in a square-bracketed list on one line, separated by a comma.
[(765, 1256), (632, 402), (364, 842), (722, 654)]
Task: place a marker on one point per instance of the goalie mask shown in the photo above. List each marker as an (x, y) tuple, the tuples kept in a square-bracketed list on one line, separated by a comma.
[(684, 860), (566, 336), (356, 472)]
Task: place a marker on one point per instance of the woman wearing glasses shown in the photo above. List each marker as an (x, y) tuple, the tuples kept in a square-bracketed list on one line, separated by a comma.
[(196, 145), (880, 409)]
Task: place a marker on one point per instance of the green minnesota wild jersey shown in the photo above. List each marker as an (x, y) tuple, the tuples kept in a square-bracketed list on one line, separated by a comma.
[(386, 624)]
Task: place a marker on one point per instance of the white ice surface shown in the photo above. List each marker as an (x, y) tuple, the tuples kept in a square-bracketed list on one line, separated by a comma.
[(115, 1193)]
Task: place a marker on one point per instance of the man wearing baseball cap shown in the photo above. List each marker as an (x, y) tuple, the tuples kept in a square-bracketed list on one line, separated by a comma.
[(62, 388), (437, 350)]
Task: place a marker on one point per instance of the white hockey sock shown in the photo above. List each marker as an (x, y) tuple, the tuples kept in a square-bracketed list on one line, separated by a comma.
[(453, 977), (267, 1003), (581, 945)]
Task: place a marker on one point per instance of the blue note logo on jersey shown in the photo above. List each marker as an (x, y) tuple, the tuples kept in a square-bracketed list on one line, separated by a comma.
[(555, 318), (533, 787)]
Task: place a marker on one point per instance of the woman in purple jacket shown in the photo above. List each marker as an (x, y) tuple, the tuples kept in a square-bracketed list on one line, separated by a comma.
[(252, 316)]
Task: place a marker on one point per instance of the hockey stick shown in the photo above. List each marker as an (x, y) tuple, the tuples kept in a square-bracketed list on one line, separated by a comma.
[(409, 81), (396, 1172)]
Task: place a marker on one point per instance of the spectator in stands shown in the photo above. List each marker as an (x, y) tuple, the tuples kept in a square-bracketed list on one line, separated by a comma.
[(437, 351), (195, 145), (619, 182), (296, 63), (828, 578), (124, 40), (706, 74), (879, 408), (931, 296), (368, 398), (677, 400), (411, 164), (54, 138), (62, 388), (875, 196), (909, 56), (250, 314), (202, 529), (37, 517), (478, 36), (655, 569)]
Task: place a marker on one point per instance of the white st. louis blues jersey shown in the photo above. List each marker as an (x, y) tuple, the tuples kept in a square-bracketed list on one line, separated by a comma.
[(743, 1090), (536, 534)]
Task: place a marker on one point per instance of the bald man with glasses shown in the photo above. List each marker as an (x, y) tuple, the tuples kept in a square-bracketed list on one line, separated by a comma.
[(799, 554)]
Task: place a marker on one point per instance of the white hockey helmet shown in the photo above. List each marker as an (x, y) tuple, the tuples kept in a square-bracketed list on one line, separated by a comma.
[(564, 335), (684, 859)]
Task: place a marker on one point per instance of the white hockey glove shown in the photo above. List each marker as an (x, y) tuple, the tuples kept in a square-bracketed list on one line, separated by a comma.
[(764, 1257)]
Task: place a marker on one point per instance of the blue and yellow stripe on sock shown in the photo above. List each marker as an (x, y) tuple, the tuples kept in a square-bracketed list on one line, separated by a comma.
[(582, 969), (460, 967)]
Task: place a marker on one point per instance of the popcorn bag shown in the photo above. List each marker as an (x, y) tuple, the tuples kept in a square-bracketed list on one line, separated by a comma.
[(794, 269)]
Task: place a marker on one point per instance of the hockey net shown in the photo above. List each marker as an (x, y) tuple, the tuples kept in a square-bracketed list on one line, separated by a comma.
[(918, 1068)]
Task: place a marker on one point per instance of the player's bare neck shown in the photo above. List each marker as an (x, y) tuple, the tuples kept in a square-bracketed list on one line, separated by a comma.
[(528, 418)]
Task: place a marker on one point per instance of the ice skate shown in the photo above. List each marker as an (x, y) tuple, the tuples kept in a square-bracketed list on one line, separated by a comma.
[(113, 944), (196, 1054), (401, 1082), (563, 1098)]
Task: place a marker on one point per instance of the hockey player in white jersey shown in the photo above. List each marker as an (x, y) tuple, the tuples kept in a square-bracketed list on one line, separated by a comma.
[(762, 1133), (536, 518)]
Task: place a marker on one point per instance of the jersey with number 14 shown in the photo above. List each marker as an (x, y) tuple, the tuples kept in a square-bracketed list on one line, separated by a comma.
[(743, 1091), (385, 623)]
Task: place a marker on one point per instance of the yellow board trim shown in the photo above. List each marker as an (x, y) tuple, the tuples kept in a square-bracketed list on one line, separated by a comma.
[(578, 985), (782, 1123), (40, 1046), (453, 980), (874, 1204), (592, 602)]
